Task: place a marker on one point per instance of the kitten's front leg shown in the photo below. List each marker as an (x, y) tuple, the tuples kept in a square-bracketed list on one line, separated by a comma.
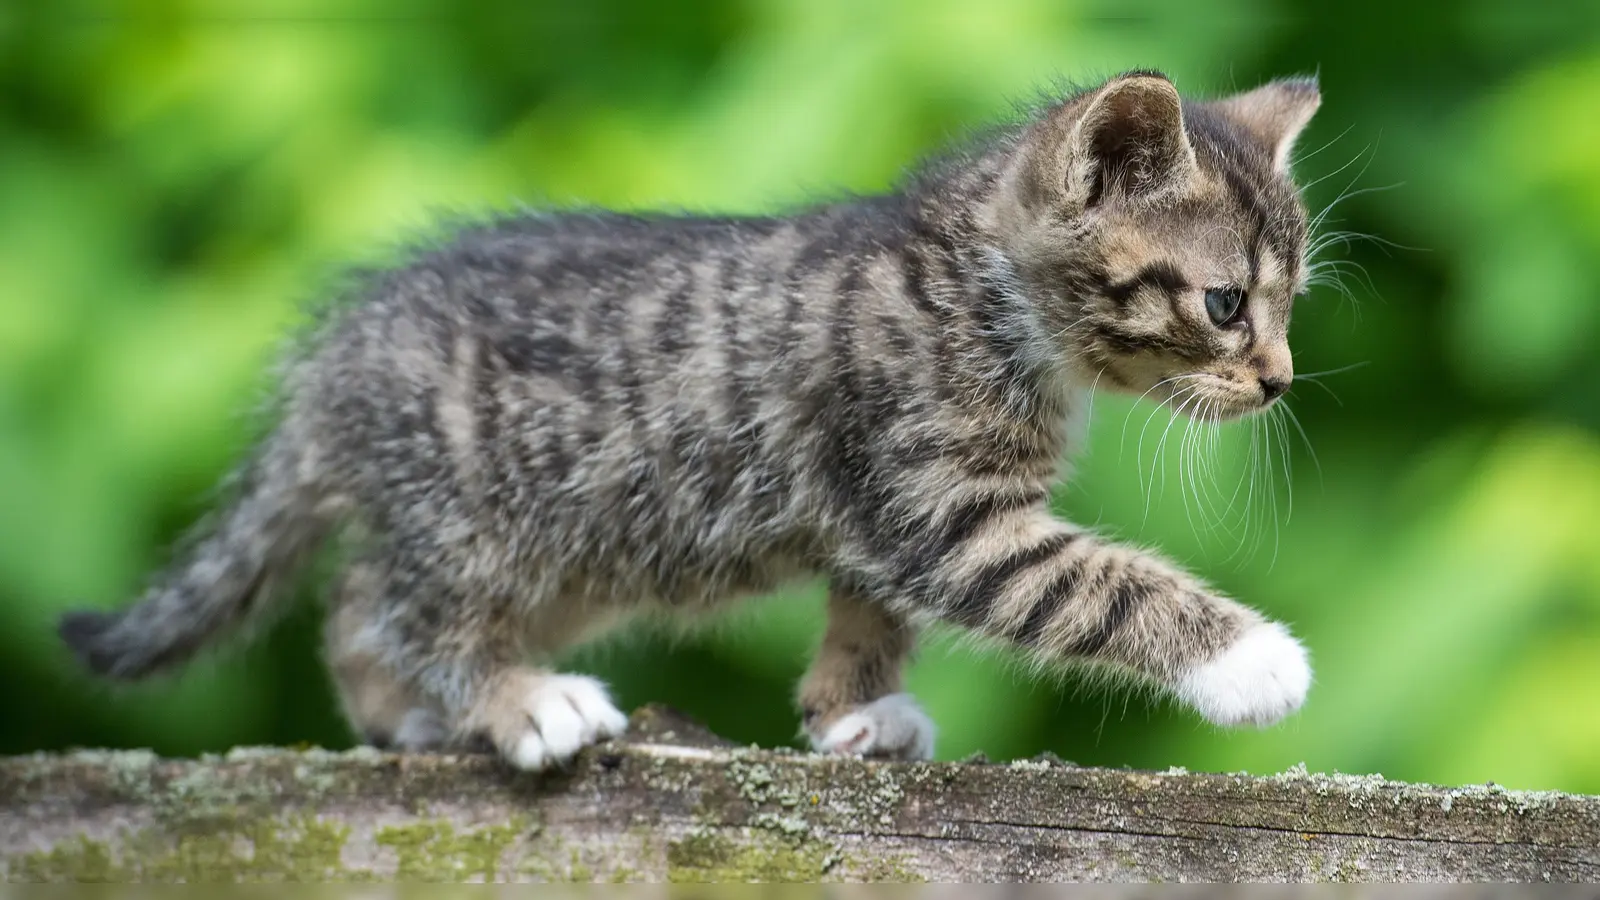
[(1067, 594), (851, 696)]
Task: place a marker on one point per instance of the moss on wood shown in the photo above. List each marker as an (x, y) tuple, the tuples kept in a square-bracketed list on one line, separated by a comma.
[(673, 803)]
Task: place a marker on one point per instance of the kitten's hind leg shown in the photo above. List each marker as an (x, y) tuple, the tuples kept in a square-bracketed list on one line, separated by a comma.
[(421, 666), (382, 709), (851, 696)]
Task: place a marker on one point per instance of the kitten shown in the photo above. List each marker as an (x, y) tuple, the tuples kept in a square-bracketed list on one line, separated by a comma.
[(554, 421)]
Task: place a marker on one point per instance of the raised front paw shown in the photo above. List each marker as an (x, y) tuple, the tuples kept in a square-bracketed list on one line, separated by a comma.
[(893, 727), (1259, 679)]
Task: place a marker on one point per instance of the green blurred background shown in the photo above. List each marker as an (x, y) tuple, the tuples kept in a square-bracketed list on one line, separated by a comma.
[(178, 179)]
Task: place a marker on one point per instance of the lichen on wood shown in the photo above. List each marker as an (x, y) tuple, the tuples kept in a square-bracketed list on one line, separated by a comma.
[(671, 802)]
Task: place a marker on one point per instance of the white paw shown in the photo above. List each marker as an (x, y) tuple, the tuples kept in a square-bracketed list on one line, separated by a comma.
[(566, 713), (893, 726), (1263, 677)]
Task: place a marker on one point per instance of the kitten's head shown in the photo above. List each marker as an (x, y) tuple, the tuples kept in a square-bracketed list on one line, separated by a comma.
[(1162, 241)]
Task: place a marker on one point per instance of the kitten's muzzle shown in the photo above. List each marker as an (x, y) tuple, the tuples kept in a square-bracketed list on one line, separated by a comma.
[(1272, 388)]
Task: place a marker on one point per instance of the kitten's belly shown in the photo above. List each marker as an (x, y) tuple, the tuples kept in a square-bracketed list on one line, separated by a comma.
[(624, 541), (671, 577)]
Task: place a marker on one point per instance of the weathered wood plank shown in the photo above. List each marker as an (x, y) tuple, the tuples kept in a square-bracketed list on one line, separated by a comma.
[(672, 802)]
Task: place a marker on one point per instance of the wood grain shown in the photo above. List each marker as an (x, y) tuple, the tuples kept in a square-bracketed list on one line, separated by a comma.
[(671, 802)]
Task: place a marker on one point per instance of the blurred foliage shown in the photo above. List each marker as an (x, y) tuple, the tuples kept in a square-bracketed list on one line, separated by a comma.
[(178, 178)]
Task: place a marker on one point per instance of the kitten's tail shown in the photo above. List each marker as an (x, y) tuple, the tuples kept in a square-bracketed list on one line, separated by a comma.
[(230, 574)]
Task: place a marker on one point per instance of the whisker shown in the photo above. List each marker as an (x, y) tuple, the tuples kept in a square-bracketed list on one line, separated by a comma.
[(1242, 486), (1340, 268), (1336, 138), (1352, 194), (1295, 420), (1161, 444), (1290, 392), (1336, 172), (1339, 371), (1248, 480), (1124, 445), (1138, 458), (1275, 423), (1213, 462), (1188, 478), (1288, 463), (1183, 473), (1202, 462), (1088, 411), (1268, 493), (1187, 471), (1348, 239)]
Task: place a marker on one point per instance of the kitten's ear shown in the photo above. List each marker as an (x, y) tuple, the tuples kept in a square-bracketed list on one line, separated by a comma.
[(1275, 113), (1130, 141)]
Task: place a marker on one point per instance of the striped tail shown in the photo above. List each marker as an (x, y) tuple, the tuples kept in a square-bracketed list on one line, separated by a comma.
[(230, 576)]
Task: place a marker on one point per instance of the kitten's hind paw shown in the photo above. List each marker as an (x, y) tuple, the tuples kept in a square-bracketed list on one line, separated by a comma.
[(546, 719), (1260, 679), (893, 726), (421, 729)]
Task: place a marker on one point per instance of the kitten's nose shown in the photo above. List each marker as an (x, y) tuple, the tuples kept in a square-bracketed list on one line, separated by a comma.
[(1272, 387)]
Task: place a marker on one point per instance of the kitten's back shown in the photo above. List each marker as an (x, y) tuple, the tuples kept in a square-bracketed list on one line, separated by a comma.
[(598, 393)]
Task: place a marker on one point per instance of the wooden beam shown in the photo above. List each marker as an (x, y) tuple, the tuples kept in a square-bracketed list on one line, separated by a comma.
[(672, 802)]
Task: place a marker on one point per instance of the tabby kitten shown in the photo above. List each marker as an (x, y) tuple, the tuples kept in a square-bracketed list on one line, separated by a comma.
[(551, 422)]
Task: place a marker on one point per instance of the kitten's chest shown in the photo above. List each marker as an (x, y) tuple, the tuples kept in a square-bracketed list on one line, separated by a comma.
[(1072, 430), (988, 443)]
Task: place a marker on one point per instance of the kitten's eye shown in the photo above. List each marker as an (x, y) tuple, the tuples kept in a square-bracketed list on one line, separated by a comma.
[(1222, 304)]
